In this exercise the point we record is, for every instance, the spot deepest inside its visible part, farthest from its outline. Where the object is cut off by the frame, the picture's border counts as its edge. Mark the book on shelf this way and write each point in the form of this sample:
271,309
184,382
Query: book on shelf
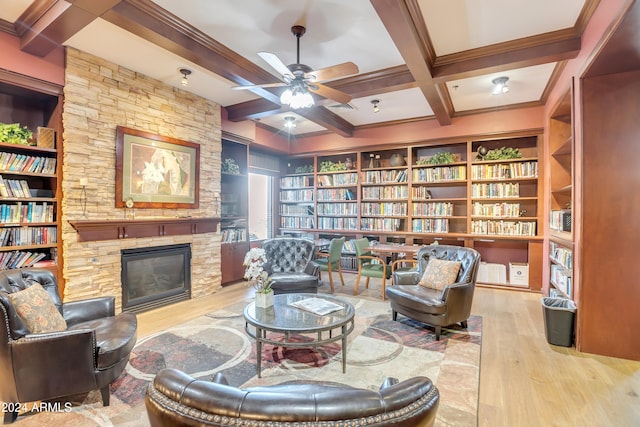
317,306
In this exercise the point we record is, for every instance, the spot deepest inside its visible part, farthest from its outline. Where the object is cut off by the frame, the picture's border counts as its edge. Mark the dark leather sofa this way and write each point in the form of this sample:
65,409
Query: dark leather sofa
176,399
91,353
437,308
290,265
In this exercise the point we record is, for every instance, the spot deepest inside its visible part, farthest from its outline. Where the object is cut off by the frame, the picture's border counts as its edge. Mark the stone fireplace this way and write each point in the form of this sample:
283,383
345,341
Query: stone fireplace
155,276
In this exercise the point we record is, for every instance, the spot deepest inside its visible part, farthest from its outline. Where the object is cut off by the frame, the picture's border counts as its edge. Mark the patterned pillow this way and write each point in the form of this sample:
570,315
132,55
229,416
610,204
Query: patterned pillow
37,311
440,273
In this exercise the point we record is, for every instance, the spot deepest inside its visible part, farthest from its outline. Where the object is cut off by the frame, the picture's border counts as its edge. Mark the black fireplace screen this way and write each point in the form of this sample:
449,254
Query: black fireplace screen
155,276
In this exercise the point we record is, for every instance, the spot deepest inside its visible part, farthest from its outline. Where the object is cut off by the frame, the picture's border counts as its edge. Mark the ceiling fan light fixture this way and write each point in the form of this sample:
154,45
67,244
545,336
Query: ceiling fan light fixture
500,85
297,98
185,72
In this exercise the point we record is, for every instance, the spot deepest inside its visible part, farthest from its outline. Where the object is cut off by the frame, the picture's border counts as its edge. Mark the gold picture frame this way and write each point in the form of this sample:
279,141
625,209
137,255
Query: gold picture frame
155,171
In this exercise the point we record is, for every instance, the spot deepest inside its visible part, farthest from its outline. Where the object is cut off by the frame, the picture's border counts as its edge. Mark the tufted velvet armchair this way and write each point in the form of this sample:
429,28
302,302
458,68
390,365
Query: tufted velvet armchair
290,265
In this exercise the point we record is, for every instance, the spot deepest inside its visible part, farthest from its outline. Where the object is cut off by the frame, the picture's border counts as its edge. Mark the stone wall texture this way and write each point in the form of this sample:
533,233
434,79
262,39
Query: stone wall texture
99,96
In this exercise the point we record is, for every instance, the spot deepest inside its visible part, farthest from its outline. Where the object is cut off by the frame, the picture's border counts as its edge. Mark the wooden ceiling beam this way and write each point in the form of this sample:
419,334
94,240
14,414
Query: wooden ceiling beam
47,24
145,19
397,19
506,56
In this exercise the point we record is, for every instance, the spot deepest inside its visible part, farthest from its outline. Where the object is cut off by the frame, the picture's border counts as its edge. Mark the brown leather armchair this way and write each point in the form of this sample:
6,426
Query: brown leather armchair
88,355
176,399
438,308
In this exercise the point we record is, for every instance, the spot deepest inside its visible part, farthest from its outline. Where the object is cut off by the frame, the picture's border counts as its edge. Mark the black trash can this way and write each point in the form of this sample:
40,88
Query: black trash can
559,316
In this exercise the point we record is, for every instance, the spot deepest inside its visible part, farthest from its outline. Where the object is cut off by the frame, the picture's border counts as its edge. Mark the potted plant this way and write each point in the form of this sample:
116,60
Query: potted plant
254,261
14,134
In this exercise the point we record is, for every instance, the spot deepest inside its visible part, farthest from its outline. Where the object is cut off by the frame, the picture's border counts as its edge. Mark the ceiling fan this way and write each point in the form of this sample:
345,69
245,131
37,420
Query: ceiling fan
300,79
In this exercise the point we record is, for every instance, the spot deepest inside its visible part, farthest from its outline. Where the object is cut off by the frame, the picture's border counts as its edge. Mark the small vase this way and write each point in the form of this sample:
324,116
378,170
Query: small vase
264,300
396,159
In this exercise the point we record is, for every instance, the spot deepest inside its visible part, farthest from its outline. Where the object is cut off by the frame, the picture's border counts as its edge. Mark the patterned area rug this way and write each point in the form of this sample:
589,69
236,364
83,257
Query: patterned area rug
377,348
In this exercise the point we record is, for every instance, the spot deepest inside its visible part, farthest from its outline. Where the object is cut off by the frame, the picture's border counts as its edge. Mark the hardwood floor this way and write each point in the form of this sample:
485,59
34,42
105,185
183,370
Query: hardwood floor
524,381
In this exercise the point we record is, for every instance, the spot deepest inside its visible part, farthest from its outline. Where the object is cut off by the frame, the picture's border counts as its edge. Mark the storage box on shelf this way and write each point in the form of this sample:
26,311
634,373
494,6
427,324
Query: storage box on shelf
234,202
29,184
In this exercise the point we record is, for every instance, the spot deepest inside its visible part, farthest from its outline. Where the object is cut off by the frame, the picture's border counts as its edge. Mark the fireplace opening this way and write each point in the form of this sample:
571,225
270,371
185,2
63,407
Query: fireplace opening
155,276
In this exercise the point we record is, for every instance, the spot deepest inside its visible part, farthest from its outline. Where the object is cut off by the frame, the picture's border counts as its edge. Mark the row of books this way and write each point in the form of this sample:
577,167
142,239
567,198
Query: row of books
393,192
496,210
230,235
495,190
19,259
336,194
338,179
505,171
296,222
387,209
296,210
14,188
296,196
381,224
24,236
384,176
560,254
505,228
436,225
347,209
31,212
433,209
440,174
335,223
25,163
296,182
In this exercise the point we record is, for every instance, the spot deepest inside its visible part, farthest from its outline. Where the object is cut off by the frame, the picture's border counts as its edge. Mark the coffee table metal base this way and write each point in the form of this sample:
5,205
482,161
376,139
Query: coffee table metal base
279,324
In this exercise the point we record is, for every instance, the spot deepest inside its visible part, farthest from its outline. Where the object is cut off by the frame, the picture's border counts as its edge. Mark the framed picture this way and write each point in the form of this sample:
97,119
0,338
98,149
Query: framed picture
154,171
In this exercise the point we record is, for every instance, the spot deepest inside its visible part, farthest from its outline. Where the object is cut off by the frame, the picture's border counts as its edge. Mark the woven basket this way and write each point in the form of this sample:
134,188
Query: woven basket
46,137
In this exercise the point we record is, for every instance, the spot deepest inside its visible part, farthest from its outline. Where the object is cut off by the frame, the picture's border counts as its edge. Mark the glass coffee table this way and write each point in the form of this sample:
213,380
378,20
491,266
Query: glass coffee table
279,324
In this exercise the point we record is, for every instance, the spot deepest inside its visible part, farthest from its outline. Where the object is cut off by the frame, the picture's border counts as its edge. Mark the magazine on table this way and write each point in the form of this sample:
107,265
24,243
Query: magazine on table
317,305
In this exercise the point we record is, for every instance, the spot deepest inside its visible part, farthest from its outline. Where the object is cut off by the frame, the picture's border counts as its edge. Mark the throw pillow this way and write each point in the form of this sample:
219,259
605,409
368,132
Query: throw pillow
440,273
37,310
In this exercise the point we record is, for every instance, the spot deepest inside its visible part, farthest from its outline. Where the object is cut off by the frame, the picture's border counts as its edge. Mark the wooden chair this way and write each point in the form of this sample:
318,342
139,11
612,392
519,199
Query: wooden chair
330,261
370,265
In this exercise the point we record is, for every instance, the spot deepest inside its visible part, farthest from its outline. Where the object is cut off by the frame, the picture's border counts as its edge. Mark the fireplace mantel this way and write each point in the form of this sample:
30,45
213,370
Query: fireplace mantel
114,229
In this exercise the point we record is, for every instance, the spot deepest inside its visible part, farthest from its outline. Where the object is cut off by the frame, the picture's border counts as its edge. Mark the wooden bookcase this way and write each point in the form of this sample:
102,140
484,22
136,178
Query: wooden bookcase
234,202
29,188
396,195
560,161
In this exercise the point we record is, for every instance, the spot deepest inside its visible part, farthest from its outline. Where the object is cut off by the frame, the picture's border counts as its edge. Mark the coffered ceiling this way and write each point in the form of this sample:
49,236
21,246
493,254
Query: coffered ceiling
422,59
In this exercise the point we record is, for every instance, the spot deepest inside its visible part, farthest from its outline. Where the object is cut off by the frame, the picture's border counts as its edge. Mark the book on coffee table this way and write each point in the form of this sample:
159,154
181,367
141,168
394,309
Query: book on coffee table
317,305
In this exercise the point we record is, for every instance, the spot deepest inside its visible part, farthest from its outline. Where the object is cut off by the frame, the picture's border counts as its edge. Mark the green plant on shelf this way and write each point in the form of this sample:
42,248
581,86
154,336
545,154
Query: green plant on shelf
441,158
304,169
503,153
15,134
329,166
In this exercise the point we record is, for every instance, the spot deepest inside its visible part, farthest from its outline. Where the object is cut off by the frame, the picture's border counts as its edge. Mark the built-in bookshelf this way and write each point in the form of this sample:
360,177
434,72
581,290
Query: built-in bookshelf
234,210
419,194
560,163
29,185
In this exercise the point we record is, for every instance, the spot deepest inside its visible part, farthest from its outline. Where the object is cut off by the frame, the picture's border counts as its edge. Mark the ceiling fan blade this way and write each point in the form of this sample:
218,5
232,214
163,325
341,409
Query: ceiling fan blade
328,92
329,73
277,84
276,63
